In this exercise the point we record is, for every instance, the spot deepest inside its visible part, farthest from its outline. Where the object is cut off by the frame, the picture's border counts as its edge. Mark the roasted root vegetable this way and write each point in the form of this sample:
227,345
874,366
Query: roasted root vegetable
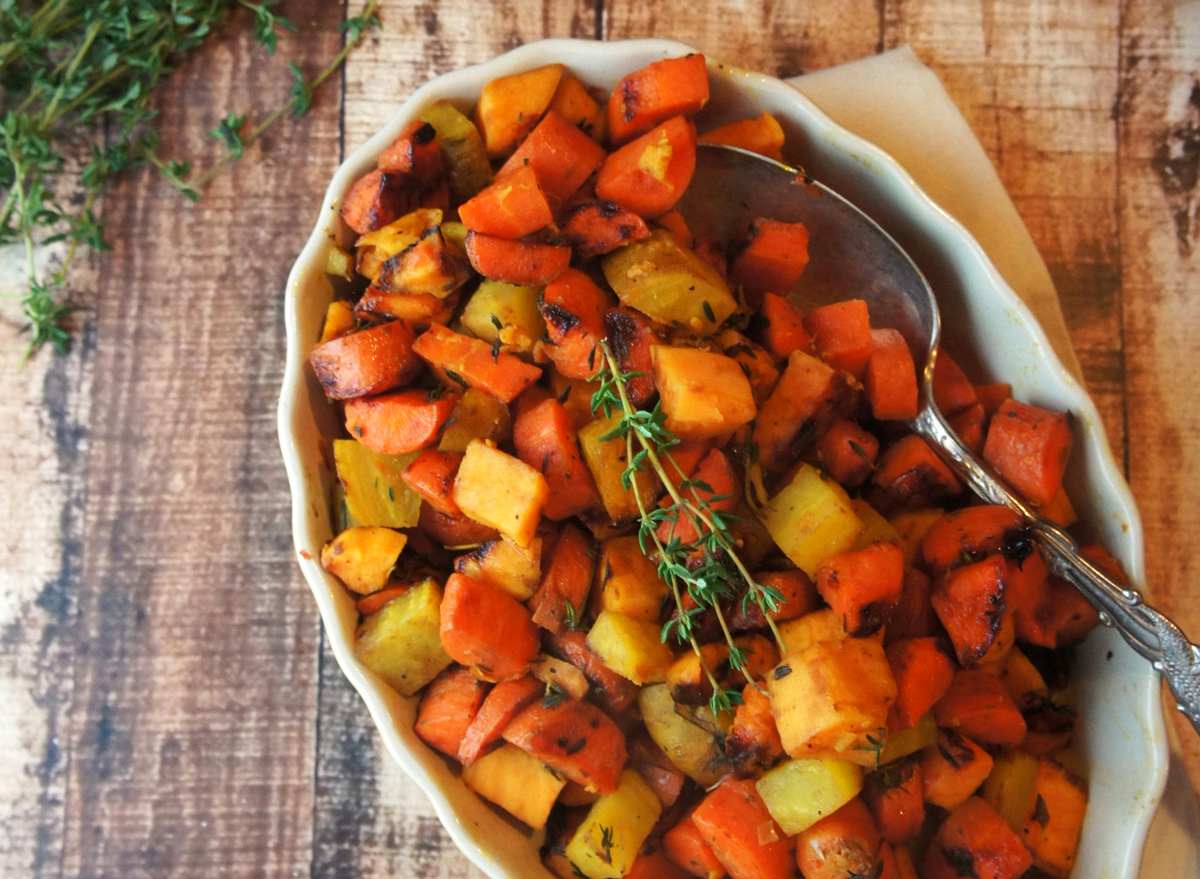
596,456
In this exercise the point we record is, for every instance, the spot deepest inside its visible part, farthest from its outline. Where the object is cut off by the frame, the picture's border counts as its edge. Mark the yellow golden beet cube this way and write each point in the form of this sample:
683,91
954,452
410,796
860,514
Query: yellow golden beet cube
627,582
632,648
510,106
502,563
550,671
607,842
363,557
902,742
875,527
694,751
376,248
513,307
516,782
605,458
703,394
477,415
799,793
375,491
811,518
500,491
832,699
401,642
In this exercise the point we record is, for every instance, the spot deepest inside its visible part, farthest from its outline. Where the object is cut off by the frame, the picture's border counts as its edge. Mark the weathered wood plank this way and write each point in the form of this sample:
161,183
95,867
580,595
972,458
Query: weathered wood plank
784,39
1040,101
1159,125
194,708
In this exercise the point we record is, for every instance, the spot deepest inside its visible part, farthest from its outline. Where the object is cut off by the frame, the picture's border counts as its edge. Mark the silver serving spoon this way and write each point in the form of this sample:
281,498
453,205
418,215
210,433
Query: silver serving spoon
850,256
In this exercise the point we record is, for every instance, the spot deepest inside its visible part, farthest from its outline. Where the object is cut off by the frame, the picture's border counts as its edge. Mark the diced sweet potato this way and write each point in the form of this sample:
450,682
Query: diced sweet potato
841,333
805,388
771,259
501,563
862,586
510,106
977,705
627,581
500,491
752,743
762,135
362,557
923,673
952,769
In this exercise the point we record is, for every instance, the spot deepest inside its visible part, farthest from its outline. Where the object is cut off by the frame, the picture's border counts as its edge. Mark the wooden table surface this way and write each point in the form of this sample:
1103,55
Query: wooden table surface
168,705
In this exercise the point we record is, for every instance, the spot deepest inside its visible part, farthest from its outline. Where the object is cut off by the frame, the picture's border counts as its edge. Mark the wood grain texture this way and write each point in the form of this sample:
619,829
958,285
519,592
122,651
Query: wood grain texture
1158,115
189,744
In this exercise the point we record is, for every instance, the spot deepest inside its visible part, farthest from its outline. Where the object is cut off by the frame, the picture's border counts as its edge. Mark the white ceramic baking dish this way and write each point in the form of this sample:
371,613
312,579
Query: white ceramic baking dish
1121,745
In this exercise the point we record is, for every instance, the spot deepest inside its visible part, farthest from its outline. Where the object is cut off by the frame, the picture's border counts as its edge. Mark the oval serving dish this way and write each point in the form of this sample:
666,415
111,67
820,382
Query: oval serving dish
1121,744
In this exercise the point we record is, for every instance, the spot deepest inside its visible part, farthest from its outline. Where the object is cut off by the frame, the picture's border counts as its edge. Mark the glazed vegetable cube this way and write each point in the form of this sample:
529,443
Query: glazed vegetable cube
363,557
487,630
632,648
508,312
376,248
799,793
812,628
500,491
670,284
376,493
693,750
462,150
811,518
476,416
575,738
902,742
744,837
433,265
703,394
505,565
401,643
606,459
832,699
516,782
510,106
607,842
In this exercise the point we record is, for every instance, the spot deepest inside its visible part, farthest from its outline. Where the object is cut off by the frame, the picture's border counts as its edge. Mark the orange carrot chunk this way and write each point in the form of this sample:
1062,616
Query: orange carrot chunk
646,97
841,332
763,135
923,673
1057,616
398,423
844,843
414,152
573,308
970,603
717,474
799,597
735,823
968,535
913,616
487,629
449,705
1029,447
952,769
969,425
896,799
992,396
631,338
911,472
451,530
616,693
891,378
978,705
559,154
505,701
513,206
685,845
848,452
782,329
431,475
975,841
367,362
574,738
655,865
377,199
752,744
862,586
545,439
952,390
419,309
772,258
597,226
460,361
806,388
529,263
674,223
649,175
368,604
565,582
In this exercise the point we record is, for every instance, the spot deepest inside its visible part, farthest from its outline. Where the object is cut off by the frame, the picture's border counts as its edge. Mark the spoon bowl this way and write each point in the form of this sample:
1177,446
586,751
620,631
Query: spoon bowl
851,257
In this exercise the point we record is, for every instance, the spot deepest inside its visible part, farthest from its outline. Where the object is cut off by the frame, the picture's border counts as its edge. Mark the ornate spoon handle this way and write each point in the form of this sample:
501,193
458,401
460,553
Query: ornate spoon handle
1148,632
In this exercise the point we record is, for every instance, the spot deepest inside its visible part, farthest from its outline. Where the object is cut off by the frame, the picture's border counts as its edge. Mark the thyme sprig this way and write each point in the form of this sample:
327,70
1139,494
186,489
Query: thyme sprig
709,568
76,81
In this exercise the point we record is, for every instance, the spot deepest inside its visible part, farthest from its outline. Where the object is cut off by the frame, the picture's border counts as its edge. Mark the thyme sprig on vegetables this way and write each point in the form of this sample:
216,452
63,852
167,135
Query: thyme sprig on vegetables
76,80
709,569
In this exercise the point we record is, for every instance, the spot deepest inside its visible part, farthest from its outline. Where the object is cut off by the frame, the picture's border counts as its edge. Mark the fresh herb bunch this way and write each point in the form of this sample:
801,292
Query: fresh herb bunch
70,69
709,569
